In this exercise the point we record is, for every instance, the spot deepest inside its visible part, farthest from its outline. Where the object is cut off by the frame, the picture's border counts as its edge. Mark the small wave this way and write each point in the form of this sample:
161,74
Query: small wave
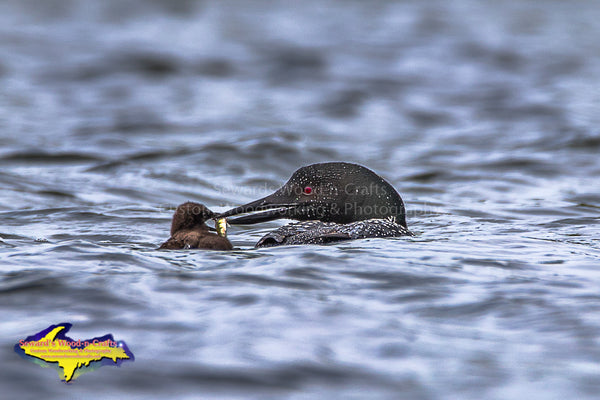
40,157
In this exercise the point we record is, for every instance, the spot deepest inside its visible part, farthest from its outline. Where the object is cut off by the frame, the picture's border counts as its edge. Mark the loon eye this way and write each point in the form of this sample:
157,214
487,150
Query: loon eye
307,190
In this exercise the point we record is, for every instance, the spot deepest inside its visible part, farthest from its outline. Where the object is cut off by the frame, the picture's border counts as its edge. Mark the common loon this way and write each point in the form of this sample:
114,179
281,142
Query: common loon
188,230
335,200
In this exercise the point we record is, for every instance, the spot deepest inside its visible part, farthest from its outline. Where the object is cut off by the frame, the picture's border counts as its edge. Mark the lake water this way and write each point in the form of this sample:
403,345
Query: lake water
483,115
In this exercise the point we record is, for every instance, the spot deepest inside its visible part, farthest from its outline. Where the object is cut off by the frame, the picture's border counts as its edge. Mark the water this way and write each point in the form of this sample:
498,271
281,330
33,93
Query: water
484,116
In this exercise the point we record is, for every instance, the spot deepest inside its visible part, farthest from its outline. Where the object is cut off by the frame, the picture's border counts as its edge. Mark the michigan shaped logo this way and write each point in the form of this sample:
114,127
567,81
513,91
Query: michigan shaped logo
52,347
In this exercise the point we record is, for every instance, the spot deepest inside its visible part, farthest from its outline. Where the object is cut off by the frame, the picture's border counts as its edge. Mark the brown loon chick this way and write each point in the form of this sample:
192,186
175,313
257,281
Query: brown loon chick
188,230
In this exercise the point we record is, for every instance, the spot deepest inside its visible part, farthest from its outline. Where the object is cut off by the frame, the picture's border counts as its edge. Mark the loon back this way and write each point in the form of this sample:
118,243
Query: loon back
317,232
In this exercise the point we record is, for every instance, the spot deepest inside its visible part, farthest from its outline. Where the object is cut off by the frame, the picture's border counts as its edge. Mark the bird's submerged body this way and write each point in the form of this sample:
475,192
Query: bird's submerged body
196,239
317,232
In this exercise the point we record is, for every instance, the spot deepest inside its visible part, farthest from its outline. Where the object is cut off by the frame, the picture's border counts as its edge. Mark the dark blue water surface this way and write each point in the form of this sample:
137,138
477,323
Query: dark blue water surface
484,115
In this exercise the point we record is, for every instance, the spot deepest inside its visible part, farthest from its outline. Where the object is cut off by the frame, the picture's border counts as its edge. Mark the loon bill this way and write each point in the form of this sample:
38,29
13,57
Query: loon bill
335,200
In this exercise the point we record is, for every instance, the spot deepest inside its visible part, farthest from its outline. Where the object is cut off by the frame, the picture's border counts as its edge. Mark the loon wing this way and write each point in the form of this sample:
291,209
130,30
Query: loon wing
273,239
308,232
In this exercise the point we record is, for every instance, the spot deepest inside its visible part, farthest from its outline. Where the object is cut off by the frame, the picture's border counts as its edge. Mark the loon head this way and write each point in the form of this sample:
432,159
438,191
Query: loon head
330,192
190,216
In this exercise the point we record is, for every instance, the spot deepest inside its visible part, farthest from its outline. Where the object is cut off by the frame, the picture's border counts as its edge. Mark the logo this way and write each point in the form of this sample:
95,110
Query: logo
71,358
